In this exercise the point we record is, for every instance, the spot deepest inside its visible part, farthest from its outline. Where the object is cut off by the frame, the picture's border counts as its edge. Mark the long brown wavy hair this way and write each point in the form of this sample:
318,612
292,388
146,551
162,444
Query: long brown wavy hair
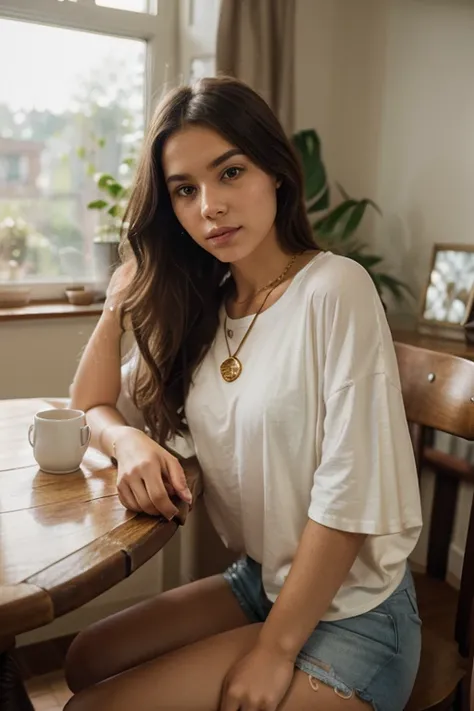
177,288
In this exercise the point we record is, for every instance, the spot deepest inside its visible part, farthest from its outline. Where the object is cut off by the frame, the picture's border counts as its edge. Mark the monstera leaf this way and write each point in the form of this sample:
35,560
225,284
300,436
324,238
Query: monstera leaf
337,228
308,146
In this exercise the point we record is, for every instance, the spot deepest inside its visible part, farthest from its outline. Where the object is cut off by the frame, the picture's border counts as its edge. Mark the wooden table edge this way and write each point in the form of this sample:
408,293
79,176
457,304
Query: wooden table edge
26,601
156,535
67,584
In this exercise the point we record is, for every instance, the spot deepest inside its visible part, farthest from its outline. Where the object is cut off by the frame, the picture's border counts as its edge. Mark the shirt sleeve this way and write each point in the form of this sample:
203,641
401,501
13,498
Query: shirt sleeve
366,481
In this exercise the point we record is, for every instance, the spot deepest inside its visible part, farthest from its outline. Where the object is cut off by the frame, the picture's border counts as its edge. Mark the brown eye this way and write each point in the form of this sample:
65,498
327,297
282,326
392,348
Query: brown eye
185,191
232,173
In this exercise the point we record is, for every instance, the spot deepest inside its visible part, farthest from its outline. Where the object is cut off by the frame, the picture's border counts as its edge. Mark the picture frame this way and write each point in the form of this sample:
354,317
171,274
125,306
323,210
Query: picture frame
447,302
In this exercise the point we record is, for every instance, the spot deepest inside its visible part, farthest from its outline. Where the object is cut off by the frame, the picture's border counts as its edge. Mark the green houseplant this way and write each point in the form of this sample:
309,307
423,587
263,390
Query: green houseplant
111,202
337,228
113,205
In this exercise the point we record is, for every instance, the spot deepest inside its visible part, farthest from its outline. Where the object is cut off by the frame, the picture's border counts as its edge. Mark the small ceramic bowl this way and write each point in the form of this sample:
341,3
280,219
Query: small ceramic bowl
80,296
14,296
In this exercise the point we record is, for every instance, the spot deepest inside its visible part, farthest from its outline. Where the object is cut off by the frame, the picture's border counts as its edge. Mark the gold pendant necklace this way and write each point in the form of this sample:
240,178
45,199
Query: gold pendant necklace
231,367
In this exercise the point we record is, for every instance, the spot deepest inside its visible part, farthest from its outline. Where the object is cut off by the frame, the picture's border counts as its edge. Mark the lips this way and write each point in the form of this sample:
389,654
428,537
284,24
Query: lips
221,232
222,236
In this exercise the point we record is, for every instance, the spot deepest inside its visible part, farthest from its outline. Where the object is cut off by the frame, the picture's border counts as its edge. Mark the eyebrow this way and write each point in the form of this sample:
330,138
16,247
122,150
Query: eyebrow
213,164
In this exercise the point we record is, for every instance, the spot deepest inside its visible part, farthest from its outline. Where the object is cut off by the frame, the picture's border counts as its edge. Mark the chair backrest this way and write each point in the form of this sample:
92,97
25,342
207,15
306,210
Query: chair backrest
438,390
438,393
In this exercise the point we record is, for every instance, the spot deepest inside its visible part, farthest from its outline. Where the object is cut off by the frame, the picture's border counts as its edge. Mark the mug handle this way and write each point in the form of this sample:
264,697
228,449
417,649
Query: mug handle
31,435
85,435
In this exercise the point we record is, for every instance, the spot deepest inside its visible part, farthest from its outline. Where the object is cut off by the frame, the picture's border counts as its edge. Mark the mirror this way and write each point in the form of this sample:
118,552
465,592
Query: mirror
449,295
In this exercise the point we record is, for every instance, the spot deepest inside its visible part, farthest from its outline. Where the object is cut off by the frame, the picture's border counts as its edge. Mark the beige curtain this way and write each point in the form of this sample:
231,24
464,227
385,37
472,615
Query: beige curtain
256,43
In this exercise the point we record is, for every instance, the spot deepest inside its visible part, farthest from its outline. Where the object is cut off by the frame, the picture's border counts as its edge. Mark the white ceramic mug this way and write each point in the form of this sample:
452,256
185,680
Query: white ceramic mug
59,439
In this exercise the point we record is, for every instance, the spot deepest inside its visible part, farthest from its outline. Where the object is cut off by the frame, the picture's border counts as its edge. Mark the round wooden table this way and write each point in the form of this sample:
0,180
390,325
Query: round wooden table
64,539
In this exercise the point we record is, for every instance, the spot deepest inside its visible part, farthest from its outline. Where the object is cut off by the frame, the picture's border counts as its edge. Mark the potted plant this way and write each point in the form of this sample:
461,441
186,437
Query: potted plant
107,237
337,228
111,203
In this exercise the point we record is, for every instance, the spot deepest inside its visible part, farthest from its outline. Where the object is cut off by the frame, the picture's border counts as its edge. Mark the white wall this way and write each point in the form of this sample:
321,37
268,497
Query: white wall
38,357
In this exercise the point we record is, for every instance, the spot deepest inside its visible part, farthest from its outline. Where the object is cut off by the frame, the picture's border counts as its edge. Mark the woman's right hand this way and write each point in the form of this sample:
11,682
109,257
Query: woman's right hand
148,475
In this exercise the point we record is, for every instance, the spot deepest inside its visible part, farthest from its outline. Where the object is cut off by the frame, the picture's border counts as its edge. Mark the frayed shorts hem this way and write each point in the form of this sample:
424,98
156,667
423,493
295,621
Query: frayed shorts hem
373,656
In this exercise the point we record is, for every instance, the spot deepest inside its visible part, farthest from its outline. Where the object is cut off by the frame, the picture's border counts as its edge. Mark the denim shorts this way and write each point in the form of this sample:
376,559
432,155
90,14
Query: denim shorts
374,655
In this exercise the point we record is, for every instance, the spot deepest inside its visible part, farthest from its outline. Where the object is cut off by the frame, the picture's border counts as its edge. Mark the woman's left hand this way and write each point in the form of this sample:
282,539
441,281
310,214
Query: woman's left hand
258,682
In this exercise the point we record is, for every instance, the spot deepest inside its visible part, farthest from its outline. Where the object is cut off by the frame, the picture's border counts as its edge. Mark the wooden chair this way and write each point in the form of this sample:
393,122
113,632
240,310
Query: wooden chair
438,392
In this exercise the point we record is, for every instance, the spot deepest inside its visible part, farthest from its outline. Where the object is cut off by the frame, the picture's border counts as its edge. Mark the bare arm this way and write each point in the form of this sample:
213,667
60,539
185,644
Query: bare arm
261,679
97,382
323,560
148,474
96,385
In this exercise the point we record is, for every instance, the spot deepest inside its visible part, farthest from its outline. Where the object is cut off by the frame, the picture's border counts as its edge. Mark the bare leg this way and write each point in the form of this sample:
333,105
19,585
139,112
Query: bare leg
190,679
171,620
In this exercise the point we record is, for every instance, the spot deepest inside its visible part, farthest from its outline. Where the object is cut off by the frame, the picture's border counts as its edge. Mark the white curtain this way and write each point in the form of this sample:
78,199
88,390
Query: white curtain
256,43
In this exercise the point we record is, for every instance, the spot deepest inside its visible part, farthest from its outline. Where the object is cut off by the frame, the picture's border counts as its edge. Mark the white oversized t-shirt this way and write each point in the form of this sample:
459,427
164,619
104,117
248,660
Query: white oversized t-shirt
313,427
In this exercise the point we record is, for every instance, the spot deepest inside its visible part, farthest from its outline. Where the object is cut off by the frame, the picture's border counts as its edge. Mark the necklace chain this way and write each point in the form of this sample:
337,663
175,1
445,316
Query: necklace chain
271,284
232,367
249,328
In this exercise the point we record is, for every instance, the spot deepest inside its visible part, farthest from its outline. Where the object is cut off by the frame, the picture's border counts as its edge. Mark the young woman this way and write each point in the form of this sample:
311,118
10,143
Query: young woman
277,360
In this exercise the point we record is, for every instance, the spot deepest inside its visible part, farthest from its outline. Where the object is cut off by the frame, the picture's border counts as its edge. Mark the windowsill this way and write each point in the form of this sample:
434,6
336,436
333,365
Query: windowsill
49,309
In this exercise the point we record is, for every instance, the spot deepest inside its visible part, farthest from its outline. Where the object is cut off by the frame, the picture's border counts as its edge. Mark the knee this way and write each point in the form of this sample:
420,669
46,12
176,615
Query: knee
82,662
84,701
74,704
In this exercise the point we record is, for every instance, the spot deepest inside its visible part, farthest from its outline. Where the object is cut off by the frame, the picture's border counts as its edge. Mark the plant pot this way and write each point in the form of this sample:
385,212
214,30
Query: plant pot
106,260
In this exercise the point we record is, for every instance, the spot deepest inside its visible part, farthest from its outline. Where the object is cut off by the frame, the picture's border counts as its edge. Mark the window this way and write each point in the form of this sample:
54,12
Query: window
133,5
202,67
148,6
198,32
77,109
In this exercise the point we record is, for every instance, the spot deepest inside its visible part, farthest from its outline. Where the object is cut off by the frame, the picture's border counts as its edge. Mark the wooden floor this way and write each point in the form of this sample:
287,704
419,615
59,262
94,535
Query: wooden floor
48,692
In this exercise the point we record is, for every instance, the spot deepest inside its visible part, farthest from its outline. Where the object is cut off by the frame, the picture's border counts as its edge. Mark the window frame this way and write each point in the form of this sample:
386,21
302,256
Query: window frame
159,31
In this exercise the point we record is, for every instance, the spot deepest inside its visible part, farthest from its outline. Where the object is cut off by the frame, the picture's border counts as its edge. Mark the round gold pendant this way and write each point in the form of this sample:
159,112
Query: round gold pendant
231,368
